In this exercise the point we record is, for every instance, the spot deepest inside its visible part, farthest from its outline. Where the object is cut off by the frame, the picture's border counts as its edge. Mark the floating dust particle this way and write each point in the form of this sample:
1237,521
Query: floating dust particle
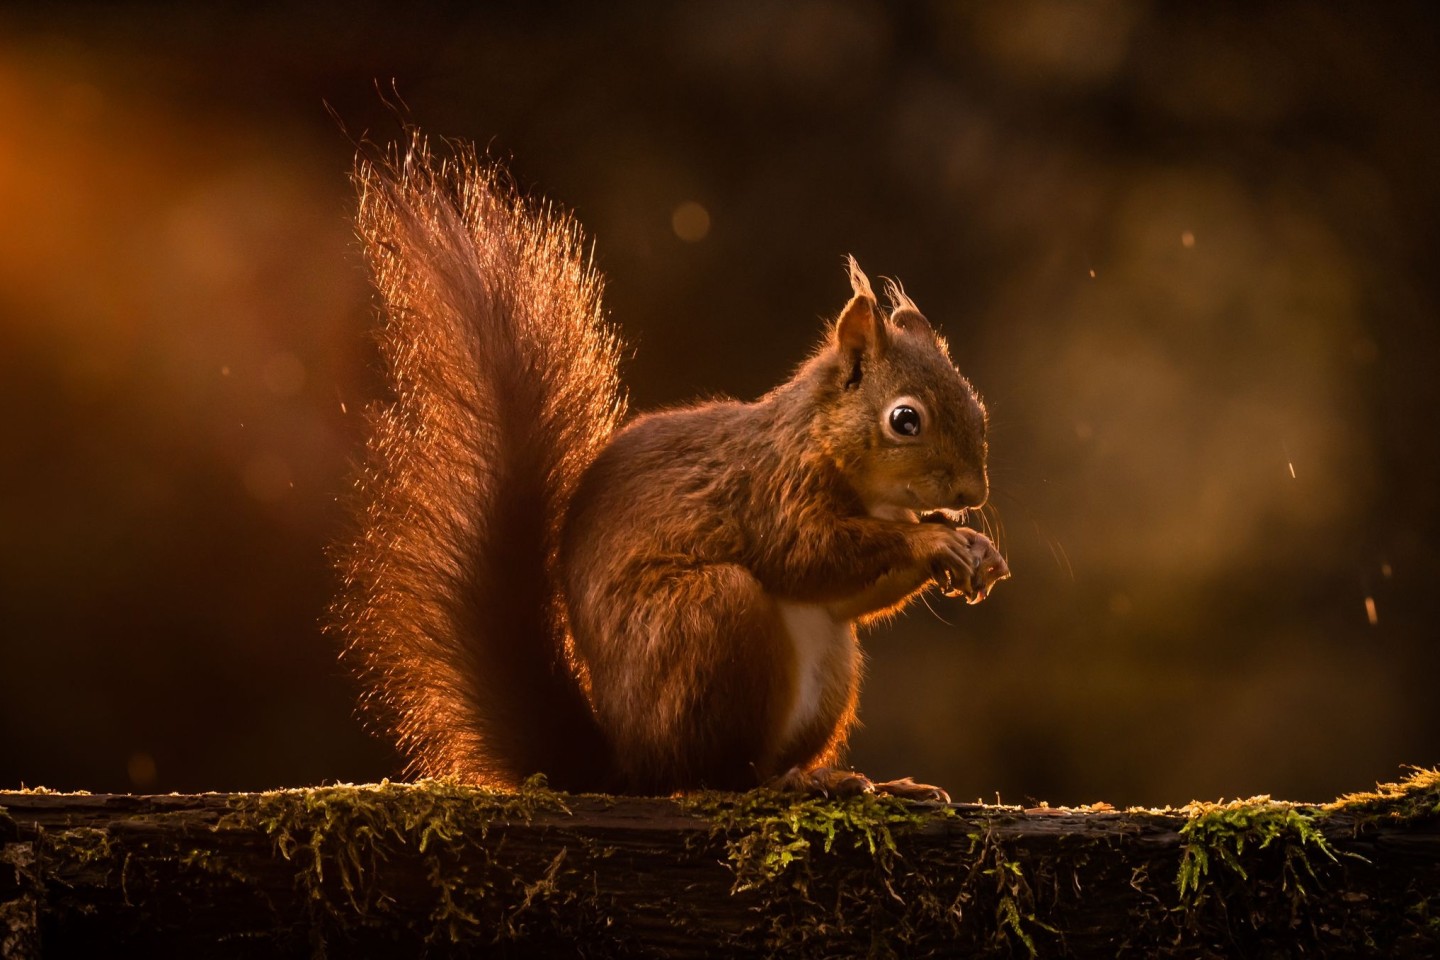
1092,274
342,407
1370,611
1386,570
1291,465
1187,239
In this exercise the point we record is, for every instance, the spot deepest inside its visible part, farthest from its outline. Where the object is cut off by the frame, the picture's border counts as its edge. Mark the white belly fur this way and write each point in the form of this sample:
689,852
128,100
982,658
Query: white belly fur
818,639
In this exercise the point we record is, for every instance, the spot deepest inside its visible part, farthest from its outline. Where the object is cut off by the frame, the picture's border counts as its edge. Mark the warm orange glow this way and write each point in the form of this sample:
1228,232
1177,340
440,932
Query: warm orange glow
185,316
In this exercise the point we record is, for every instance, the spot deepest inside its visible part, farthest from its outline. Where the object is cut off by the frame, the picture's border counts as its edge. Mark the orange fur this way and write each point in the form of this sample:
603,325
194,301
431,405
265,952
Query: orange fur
665,606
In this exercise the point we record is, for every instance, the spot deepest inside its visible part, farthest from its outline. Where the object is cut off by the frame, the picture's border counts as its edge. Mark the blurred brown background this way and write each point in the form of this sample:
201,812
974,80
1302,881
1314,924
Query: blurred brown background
1186,252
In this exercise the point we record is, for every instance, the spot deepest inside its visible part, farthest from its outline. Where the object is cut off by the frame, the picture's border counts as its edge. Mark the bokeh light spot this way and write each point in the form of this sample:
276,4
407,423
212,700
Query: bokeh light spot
691,222
141,770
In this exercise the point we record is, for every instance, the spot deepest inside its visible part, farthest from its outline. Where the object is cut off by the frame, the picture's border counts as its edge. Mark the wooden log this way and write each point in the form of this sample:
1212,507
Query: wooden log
400,869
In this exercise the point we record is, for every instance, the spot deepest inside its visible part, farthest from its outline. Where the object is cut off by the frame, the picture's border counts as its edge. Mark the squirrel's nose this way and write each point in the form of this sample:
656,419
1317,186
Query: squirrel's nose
972,493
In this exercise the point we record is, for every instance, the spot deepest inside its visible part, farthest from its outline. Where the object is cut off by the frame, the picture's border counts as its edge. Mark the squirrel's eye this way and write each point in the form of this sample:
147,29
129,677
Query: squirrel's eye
905,420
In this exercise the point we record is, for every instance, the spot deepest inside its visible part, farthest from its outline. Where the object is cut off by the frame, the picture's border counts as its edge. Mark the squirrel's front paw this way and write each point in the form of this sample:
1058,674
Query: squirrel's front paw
972,567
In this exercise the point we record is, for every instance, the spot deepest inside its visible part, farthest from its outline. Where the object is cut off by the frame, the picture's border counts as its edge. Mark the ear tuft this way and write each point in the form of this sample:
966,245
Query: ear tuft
859,283
903,312
899,300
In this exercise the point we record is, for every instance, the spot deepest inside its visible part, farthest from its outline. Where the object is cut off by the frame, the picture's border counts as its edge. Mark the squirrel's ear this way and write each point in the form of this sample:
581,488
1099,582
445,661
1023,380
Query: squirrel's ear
903,312
860,329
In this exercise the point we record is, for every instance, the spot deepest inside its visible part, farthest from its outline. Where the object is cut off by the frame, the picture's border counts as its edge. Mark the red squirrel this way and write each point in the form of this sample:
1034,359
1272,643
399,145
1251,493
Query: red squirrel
668,603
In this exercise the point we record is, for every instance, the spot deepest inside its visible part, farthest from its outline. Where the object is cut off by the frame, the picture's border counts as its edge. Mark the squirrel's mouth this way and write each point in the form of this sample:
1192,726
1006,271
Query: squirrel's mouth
951,518
918,510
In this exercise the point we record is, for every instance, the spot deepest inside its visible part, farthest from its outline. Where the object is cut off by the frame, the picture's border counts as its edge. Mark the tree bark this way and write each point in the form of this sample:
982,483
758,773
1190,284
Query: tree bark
399,869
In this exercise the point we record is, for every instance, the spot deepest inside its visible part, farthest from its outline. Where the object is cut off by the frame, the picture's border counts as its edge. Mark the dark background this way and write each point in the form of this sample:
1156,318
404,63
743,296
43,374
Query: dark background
1185,251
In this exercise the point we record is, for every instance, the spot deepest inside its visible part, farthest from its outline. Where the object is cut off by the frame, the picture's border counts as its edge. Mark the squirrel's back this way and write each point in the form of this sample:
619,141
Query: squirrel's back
504,387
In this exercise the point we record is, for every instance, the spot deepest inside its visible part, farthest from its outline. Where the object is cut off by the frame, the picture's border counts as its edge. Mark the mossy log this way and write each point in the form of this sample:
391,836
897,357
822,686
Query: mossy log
439,869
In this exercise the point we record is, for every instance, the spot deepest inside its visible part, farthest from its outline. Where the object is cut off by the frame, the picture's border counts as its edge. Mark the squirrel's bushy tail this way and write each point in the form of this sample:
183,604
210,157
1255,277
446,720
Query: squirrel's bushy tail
505,386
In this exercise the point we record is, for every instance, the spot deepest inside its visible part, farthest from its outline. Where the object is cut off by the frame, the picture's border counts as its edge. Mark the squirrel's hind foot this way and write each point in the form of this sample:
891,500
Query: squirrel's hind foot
907,789
823,781
834,782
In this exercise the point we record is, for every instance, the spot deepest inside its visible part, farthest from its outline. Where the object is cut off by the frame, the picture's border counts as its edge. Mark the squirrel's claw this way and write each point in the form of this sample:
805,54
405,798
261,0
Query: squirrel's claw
984,568
907,789
833,782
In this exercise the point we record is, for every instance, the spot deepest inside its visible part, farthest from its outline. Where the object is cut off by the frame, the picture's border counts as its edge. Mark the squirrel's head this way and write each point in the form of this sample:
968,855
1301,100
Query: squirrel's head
905,428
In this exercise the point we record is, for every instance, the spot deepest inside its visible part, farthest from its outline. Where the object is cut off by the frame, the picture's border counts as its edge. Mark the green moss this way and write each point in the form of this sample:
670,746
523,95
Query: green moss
768,832
817,876
871,892
1217,834
772,842
1417,797
998,874
341,836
